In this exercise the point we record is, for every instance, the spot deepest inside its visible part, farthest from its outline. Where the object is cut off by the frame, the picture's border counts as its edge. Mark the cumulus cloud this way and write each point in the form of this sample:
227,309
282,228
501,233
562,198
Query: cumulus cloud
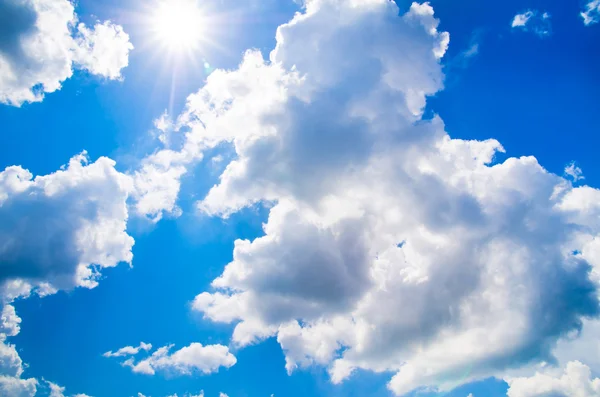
11,365
188,360
41,42
575,382
534,21
9,322
389,245
16,387
59,230
591,13
129,350
103,50
59,391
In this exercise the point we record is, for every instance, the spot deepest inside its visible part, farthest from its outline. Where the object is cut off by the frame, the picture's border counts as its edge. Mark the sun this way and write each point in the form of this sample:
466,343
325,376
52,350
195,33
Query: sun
179,24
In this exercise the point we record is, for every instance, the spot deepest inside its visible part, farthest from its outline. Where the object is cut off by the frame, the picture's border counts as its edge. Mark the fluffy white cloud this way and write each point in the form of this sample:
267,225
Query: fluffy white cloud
535,21
188,360
9,322
41,42
59,391
16,387
11,365
591,14
575,382
103,50
129,350
59,230
389,246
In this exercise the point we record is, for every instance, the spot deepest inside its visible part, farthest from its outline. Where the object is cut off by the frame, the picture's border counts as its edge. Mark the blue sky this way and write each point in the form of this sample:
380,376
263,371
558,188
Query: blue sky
381,199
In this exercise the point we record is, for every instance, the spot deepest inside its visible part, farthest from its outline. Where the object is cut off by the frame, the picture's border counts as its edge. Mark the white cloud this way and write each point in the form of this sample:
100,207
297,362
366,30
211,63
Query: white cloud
573,172
58,231
575,382
535,21
188,360
129,350
103,50
61,229
9,322
11,365
201,394
591,14
521,19
16,387
59,391
389,246
43,42
56,390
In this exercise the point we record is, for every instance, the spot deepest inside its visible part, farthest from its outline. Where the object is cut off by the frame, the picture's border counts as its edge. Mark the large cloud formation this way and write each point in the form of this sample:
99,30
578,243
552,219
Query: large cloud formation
41,42
57,231
389,246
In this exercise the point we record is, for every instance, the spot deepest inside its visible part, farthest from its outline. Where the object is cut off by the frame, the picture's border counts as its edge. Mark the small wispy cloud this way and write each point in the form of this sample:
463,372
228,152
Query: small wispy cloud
534,21
591,14
129,350
573,172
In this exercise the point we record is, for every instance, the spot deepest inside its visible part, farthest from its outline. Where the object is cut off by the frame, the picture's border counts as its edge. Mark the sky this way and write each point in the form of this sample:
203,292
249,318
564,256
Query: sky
299,198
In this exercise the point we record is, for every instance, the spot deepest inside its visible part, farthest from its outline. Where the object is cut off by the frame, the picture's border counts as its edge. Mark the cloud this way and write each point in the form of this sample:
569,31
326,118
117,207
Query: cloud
16,387
591,14
533,20
573,172
103,50
9,322
188,360
58,391
41,44
60,230
576,381
201,394
389,245
129,350
11,365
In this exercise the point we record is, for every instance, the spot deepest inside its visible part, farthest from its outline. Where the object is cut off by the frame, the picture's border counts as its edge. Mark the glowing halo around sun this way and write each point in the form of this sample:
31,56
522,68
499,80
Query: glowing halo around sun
179,25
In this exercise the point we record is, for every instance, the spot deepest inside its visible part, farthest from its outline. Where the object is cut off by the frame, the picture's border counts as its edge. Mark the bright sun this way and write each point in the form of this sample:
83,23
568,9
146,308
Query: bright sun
179,24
